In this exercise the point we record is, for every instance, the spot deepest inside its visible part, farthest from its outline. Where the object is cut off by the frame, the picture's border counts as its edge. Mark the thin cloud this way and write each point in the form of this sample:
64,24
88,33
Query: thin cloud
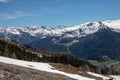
12,15
4,1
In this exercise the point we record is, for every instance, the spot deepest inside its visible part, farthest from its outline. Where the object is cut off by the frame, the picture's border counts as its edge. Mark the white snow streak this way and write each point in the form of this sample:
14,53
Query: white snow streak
98,75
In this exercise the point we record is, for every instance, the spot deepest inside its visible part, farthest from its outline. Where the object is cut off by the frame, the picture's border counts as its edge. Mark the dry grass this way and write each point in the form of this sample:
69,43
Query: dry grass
74,70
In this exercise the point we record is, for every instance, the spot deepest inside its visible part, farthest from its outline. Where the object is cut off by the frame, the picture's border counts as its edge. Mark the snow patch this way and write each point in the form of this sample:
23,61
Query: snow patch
98,75
116,77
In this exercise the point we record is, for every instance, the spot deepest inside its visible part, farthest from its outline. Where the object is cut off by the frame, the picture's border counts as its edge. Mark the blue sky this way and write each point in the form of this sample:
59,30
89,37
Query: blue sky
56,12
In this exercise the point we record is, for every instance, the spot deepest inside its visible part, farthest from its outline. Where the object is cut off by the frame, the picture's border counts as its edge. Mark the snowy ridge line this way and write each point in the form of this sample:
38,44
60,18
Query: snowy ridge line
115,24
79,30
40,66
35,30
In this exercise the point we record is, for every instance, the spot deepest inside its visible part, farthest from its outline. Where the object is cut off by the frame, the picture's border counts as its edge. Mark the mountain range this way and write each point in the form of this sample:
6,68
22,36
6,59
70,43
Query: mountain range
92,41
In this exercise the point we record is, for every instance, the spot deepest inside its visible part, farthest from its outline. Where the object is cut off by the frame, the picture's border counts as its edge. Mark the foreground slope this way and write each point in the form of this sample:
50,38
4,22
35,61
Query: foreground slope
41,66
13,67
47,68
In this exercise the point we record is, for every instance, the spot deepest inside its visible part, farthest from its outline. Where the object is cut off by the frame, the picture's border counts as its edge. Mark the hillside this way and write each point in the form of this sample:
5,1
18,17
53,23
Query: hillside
19,70
19,51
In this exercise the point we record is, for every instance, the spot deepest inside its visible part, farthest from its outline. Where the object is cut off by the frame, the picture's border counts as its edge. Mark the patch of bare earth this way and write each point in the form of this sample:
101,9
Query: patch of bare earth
73,70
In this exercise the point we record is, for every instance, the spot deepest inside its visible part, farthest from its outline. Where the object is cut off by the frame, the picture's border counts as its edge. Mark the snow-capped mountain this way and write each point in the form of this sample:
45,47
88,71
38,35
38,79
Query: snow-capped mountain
29,34
86,37
115,24
77,31
32,33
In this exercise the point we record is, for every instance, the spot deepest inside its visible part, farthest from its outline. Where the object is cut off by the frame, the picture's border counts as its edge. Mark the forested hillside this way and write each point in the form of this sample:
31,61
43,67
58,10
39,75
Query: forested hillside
18,51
